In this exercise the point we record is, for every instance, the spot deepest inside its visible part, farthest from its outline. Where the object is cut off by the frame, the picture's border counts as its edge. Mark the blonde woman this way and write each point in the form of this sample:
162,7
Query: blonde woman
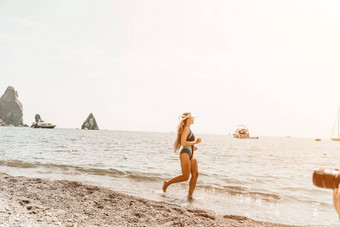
186,140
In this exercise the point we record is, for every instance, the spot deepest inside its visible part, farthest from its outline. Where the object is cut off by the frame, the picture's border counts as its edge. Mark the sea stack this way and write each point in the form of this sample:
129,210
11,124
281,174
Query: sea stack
11,111
37,118
90,123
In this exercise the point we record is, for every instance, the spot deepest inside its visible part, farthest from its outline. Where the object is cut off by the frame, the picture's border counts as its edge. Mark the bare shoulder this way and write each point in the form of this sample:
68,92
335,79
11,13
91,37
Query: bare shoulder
185,132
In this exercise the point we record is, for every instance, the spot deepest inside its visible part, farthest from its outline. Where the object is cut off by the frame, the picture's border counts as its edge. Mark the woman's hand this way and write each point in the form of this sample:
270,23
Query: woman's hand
195,148
336,199
198,140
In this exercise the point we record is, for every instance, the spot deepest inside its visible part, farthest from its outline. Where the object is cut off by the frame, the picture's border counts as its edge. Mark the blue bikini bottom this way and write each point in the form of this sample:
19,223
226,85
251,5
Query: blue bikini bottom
186,150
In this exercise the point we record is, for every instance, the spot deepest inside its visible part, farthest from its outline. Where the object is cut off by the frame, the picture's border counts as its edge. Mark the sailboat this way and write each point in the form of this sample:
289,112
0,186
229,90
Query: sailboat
338,138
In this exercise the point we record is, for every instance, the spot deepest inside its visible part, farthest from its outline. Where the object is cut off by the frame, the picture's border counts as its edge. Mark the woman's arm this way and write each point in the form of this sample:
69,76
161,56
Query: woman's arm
184,136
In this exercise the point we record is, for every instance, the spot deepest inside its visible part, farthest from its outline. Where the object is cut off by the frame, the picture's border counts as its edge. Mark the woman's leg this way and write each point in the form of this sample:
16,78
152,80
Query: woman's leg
185,165
194,176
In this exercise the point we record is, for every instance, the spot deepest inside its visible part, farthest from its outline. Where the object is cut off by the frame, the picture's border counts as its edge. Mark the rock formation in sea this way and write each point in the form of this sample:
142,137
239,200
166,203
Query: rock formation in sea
37,118
90,123
11,111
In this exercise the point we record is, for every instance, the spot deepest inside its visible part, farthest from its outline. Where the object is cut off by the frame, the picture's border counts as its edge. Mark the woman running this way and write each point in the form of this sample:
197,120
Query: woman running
186,139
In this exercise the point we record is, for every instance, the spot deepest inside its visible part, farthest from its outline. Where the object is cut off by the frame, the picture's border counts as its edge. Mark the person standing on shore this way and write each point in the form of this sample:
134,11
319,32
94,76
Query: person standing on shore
186,139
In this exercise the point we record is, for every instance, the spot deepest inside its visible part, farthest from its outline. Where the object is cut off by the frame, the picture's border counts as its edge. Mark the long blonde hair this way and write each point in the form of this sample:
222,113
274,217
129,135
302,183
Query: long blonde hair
181,125
180,128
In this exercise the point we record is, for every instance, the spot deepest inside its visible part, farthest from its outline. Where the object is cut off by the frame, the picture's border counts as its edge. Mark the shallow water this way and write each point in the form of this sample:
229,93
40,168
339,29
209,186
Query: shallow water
268,179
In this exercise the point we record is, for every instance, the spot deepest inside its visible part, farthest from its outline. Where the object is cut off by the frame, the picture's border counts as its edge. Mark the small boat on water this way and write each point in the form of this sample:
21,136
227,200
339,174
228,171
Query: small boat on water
317,139
39,123
243,133
42,125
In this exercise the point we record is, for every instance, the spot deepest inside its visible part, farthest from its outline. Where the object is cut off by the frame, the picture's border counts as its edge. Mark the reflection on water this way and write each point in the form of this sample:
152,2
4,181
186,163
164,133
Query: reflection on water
267,179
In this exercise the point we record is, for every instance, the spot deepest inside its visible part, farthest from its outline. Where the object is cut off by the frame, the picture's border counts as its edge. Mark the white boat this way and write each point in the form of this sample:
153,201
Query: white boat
243,133
39,123
335,124
42,125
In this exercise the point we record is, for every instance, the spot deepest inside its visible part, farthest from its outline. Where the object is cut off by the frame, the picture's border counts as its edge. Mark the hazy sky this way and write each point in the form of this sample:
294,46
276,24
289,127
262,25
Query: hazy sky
137,65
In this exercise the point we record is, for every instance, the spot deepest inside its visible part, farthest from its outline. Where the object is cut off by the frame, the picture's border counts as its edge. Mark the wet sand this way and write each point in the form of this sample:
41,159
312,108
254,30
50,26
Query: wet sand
42,202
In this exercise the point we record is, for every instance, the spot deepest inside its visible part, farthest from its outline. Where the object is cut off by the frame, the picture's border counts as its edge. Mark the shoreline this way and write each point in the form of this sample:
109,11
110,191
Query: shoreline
42,202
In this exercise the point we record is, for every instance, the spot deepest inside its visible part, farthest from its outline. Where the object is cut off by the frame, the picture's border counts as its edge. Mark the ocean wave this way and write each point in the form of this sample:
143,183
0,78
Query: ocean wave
138,176
17,164
236,190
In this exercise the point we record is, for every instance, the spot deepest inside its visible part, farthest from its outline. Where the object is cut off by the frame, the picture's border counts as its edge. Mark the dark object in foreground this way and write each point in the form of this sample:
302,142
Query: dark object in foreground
326,178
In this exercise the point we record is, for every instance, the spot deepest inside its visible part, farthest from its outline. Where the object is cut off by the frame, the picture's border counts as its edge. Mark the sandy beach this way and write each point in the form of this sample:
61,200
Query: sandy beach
42,202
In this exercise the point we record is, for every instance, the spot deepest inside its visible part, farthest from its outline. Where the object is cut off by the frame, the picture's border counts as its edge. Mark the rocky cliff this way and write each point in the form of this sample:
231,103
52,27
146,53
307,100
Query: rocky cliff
90,123
11,108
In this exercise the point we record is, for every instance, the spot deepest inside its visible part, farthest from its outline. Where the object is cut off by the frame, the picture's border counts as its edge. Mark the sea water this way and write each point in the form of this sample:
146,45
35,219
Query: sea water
268,179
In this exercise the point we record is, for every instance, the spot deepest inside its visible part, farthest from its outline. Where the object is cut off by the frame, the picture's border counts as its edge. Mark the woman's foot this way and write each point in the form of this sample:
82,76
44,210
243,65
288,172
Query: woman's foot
190,198
165,186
